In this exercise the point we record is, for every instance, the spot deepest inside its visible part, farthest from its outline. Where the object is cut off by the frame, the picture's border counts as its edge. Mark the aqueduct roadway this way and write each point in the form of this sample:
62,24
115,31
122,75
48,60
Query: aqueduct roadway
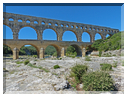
40,24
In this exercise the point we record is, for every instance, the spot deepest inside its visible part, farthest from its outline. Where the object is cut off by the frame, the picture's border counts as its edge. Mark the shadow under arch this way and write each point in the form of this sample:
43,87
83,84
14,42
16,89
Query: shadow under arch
9,47
77,49
49,28
37,49
88,34
57,49
71,31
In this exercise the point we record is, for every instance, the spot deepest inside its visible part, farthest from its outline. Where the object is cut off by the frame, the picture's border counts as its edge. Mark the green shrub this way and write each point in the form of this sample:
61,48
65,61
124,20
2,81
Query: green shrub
73,56
35,56
107,55
38,67
35,60
56,66
18,62
123,63
115,63
78,71
100,52
105,66
97,81
87,58
26,62
113,55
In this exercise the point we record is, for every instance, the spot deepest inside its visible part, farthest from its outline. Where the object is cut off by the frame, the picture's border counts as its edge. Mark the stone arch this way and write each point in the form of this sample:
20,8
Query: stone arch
71,31
108,34
7,25
88,34
77,48
99,34
28,26
57,49
31,45
51,29
4,30
10,18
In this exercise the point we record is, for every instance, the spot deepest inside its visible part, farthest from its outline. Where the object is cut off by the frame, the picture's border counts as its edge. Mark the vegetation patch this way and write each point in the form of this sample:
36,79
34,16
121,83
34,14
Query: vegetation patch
33,66
115,64
26,62
97,81
105,67
18,65
71,52
35,60
87,58
123,63
114,42
78,71
19,62
56,66
35,56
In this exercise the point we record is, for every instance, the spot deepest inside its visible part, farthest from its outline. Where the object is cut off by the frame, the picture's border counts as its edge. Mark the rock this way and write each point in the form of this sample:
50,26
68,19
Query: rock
34,63
62,86
80,86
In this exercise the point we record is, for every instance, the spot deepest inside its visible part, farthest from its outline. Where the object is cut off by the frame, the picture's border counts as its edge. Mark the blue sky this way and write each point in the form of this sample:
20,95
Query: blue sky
108,16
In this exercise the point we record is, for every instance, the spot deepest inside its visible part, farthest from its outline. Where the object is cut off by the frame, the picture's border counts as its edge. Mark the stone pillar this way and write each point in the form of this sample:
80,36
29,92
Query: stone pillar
15,36
15,33
39,34
62,52
41,53
79,37
15,53
59,38
83,52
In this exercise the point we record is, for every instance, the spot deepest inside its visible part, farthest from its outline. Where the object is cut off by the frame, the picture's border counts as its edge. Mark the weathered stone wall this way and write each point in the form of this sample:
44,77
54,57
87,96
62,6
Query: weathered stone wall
40,24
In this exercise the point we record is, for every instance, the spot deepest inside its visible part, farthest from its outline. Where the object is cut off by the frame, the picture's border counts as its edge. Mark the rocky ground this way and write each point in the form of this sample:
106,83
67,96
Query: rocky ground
21,78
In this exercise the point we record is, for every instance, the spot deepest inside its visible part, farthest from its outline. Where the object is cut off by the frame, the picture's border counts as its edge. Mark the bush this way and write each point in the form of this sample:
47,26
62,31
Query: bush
106,66
100,52
56,66
26,62
87,58
97,81
78,71
18,62
115,63
35,56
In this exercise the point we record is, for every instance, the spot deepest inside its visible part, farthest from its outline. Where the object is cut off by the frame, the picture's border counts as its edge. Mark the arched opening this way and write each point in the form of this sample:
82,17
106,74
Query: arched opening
73,50
7,32
52,51
69,36
7,51
28,51
27,33
108,36
98,36
49,34
86,37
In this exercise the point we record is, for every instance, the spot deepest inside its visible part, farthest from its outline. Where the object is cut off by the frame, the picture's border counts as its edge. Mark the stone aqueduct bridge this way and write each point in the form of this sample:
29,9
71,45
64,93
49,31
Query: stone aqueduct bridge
40,24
